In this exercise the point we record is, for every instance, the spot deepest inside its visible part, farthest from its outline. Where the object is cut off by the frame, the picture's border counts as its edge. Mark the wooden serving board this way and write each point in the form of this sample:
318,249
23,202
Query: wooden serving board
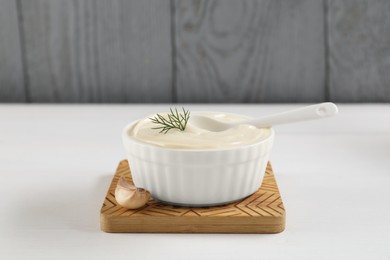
262,212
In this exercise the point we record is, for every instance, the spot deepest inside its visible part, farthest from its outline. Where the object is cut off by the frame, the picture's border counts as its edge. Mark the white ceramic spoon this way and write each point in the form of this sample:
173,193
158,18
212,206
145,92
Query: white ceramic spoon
301,114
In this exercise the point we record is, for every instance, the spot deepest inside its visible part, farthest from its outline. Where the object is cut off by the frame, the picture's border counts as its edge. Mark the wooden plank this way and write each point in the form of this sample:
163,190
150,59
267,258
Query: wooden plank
12,87
255,214
98,50
250,51
359,48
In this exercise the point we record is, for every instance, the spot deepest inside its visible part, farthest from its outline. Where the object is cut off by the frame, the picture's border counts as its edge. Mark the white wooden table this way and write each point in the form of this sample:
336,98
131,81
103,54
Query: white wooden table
56,162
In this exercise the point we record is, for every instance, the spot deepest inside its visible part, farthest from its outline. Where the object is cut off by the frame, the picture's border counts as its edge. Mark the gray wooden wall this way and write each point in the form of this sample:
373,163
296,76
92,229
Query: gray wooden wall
194,51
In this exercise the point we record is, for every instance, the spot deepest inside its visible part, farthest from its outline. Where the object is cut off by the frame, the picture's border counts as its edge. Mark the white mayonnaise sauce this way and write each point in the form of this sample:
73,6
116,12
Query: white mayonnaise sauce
196,138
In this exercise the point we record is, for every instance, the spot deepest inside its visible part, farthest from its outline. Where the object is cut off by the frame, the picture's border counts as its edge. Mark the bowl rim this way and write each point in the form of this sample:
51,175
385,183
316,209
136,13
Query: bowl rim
127,138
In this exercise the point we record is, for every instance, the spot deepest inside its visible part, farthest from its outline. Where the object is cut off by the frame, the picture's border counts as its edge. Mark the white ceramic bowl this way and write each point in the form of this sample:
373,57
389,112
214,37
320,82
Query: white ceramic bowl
197,178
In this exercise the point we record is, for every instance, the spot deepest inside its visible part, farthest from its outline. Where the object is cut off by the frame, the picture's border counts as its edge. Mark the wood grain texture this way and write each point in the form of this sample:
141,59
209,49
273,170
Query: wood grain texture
359,50
11,66
262,212
98,50
250,51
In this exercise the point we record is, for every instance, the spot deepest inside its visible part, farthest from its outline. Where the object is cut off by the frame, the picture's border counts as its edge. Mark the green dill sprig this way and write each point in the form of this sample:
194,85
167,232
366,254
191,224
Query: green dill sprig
174,120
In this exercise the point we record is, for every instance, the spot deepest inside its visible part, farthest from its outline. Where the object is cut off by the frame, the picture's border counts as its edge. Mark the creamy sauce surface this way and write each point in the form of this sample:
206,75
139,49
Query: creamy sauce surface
194,137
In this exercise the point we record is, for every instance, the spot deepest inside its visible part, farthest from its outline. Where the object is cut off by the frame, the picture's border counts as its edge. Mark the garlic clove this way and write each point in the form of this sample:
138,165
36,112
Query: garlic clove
129,196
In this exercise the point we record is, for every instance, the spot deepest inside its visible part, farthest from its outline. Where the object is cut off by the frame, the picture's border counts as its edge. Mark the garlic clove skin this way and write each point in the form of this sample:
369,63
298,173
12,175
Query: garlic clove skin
129,196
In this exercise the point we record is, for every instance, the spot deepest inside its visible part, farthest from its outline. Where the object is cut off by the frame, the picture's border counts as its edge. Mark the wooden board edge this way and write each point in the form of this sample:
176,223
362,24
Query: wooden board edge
179,224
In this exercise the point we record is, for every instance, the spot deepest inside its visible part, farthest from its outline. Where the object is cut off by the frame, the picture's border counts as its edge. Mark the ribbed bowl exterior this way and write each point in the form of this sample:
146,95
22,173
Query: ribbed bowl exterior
198,177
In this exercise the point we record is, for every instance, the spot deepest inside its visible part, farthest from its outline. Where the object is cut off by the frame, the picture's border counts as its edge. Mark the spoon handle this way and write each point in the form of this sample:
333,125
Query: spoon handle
301,114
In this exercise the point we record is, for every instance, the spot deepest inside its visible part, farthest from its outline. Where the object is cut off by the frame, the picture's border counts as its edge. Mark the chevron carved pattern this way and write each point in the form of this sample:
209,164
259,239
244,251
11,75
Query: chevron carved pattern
262,212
